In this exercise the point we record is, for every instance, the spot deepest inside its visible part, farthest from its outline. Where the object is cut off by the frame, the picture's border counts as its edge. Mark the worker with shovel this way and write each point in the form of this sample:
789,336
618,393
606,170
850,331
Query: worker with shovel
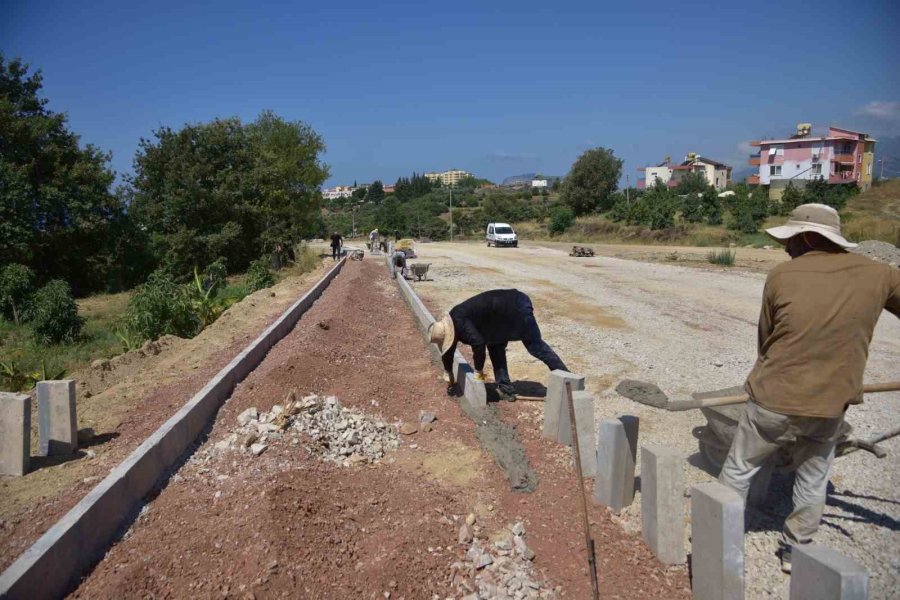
489,321
819,311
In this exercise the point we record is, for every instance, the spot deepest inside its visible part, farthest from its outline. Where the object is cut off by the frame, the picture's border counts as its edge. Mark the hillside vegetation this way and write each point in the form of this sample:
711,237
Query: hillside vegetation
875,214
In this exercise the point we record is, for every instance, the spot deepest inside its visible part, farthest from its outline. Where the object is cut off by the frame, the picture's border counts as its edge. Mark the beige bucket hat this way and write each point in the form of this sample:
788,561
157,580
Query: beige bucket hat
816,218
442,333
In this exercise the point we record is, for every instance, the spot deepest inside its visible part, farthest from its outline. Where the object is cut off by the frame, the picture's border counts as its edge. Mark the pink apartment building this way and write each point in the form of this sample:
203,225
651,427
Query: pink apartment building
840,157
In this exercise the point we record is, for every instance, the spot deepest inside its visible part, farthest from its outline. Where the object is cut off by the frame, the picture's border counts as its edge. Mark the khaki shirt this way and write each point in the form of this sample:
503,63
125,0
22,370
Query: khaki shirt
818,314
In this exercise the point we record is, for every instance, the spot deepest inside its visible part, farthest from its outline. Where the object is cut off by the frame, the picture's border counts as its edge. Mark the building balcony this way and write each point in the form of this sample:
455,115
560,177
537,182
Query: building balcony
641,184
843,158
752,179
754,160
843,177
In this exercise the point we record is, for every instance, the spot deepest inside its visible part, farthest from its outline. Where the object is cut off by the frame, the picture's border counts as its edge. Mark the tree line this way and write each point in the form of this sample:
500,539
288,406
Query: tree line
224,191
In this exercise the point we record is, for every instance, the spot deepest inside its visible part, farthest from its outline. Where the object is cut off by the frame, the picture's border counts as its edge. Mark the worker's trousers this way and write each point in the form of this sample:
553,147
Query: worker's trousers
760,433
534,343
335,252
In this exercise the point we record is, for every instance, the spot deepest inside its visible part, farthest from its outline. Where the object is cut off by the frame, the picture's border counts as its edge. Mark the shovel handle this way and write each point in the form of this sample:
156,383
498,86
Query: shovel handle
679,405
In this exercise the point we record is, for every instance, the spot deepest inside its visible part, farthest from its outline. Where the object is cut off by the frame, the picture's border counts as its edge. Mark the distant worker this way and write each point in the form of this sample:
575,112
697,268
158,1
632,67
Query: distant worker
373,239
398,263
490,321
396,235
337,242
818,314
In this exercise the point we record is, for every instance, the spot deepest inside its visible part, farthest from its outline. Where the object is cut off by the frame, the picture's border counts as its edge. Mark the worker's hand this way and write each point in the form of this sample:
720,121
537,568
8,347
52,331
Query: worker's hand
479,376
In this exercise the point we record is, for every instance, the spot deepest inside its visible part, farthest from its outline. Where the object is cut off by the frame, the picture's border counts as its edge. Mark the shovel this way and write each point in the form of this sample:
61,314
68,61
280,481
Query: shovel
702,400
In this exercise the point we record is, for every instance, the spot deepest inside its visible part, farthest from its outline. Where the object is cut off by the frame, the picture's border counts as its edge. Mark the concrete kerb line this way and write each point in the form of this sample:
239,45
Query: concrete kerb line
55,562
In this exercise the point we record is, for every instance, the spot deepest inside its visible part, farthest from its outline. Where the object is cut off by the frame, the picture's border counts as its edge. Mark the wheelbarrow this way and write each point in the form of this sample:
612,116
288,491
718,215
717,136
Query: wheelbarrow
714,438
420,270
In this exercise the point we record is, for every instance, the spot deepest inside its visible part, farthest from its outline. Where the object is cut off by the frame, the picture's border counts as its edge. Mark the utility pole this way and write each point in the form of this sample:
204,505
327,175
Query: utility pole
881,176
627,188
451,212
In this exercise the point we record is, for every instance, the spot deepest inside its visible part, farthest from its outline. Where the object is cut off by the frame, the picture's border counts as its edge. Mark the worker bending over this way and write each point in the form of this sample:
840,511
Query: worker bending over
819,311
490,321
398,263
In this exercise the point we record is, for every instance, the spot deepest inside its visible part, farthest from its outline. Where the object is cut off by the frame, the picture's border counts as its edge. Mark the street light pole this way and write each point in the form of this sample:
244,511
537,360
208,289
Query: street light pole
451,212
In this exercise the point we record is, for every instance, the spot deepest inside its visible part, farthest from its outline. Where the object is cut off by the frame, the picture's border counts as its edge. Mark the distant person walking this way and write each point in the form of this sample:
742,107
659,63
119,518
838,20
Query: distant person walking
337,242
373,240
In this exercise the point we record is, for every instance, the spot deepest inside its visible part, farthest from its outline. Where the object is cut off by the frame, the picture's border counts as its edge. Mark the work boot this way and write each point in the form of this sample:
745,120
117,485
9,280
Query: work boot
507,396
784,553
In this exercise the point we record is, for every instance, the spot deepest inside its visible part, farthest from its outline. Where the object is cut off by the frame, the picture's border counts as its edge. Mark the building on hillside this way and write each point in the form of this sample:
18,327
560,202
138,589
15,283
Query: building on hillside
389,189
533,180
716,173
338,191
840,157
451,177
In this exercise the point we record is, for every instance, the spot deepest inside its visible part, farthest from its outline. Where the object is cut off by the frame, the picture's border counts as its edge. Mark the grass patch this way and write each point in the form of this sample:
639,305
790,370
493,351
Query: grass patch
724,258
26,357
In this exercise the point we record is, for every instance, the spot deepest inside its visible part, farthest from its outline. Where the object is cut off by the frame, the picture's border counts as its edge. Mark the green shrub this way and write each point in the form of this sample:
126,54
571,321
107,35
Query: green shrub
214,274
54,314
16,289
159,307
561,218
721,257
259,276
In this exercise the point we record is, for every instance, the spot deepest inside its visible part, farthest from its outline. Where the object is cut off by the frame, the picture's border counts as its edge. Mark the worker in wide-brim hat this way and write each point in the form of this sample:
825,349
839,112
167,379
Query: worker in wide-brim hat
819,311
489,321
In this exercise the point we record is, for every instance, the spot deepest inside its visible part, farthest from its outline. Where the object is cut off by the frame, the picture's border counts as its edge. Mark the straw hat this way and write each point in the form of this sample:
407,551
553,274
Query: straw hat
816,218
442,333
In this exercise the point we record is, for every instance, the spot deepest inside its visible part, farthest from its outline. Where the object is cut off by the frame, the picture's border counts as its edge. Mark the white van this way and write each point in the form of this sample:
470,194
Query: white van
501,234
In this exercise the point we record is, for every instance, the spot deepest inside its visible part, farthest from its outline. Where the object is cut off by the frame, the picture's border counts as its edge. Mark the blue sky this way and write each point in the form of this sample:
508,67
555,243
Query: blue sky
496,88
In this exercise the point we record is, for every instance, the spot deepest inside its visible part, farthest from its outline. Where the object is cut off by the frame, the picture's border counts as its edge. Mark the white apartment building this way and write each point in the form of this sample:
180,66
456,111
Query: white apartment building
451,177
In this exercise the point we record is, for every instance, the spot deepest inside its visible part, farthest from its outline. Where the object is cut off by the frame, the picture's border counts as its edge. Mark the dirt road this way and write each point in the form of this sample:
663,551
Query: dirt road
287,524
686,329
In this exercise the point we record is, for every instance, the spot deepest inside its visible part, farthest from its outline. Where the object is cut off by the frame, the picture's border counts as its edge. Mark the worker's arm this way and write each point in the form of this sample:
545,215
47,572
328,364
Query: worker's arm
893,301
766,317
447,359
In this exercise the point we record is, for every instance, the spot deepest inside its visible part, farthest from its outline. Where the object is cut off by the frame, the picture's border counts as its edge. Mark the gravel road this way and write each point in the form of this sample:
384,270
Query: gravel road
686,330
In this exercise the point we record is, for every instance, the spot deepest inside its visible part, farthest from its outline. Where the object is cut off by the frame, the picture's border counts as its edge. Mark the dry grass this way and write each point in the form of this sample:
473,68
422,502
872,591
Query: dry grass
874,214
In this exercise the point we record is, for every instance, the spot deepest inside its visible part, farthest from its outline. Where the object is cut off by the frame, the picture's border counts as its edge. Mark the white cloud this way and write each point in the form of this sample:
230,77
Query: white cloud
745,148
501,156
881,110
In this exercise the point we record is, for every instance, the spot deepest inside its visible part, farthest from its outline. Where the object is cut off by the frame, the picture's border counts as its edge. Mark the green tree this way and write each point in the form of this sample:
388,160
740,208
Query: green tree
54,315
226,189
593,177
711,206
791,198
57,213
561,218
375,193
692,183
16,289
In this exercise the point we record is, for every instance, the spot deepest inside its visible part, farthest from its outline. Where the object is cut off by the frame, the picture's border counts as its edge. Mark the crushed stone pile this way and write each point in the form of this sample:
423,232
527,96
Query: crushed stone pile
338,434
879,251
501,570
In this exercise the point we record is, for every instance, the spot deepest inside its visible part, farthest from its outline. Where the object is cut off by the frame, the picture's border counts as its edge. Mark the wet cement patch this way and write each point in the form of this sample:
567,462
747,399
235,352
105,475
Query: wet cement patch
499,440
643,392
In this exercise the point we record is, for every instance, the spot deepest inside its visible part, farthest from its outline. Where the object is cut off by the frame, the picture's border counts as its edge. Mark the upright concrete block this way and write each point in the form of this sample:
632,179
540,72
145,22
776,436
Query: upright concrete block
631,424
57,420
820,573
612,482
584,422
15,433
717,542
556,412
662,505
475,391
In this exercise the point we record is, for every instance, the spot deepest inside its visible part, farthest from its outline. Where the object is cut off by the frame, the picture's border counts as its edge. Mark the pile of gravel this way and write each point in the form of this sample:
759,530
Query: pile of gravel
339,434
879,251
501,570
